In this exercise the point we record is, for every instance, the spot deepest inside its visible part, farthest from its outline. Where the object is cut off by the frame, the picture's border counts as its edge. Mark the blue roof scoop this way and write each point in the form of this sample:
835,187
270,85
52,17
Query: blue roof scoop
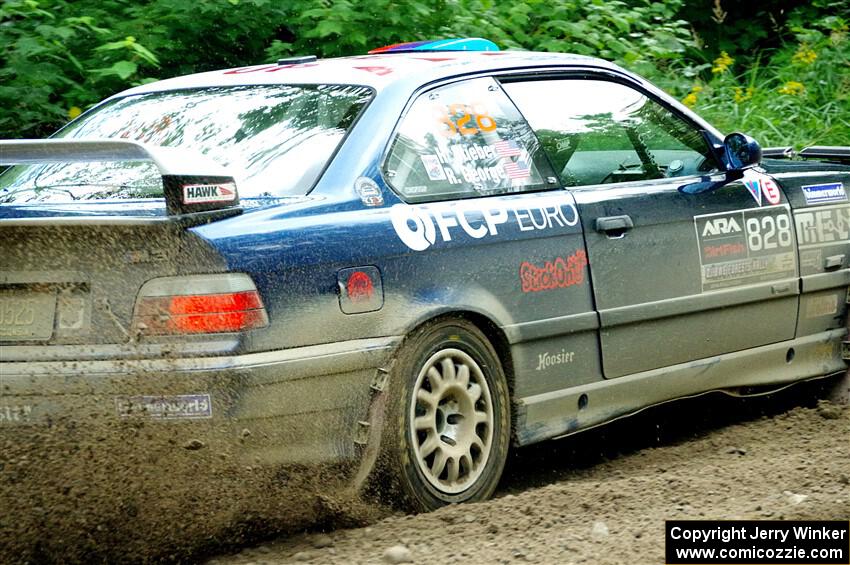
454,44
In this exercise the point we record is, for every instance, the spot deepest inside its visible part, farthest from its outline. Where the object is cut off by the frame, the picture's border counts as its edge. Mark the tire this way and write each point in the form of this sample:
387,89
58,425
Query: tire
447,428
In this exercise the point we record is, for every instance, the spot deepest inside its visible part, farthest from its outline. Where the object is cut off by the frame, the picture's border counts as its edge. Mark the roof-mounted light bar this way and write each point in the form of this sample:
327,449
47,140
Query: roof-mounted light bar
192,182
431,45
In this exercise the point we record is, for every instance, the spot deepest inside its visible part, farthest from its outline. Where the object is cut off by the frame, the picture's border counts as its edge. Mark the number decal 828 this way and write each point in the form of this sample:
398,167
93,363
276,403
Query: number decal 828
769,232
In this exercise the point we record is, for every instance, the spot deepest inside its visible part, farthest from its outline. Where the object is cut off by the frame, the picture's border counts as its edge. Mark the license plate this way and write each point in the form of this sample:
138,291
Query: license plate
26,315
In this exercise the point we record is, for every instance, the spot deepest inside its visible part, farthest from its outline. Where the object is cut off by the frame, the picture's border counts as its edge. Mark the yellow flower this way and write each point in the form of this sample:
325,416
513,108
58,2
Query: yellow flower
805,55
691,99
792,87
742,95
722,63
74,111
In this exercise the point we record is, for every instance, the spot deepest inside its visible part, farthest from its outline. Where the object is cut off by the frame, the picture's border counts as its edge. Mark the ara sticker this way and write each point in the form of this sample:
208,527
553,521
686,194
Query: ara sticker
204,193
824,193
745,247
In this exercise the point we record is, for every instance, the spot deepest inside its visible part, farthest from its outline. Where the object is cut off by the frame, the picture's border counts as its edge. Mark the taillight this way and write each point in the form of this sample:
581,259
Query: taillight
199,304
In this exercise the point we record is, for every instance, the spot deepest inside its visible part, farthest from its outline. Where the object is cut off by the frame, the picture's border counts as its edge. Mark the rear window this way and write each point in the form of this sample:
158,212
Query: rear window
465,140
275,141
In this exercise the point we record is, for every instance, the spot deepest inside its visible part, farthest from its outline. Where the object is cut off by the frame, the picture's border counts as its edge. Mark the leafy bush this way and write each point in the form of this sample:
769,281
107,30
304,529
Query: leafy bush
797,94
779,74
60,56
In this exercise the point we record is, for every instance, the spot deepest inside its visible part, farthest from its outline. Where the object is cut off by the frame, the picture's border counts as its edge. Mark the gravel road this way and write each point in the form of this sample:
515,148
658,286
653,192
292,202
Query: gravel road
602,496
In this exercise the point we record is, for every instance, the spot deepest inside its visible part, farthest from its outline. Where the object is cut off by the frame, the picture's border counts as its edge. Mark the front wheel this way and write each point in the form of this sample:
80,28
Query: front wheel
449,424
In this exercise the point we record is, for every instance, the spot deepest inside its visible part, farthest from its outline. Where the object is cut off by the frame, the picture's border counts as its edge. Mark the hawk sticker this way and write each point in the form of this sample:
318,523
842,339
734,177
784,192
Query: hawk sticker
205,193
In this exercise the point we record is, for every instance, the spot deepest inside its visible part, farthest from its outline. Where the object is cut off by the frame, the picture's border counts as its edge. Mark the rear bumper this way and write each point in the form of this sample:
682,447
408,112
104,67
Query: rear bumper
295,406
185,450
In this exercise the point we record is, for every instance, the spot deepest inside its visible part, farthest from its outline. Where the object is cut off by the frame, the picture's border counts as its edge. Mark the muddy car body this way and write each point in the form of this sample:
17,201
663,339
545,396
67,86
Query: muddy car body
468,262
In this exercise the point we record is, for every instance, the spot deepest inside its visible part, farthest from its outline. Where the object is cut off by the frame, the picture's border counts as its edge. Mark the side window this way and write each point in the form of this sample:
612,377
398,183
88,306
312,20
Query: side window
465,140
597,132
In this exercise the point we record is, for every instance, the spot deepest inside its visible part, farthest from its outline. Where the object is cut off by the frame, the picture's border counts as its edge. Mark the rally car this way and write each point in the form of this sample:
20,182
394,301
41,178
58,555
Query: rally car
406,262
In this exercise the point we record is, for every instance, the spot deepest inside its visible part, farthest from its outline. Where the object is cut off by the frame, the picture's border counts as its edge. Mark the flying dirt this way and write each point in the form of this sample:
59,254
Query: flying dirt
602,497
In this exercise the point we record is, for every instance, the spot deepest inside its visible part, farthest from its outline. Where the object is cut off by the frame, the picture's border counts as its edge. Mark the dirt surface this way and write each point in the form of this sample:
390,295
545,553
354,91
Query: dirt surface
602,496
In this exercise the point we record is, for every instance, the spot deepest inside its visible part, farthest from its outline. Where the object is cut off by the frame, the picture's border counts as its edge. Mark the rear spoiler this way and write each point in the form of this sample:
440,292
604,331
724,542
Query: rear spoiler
192,182
823,152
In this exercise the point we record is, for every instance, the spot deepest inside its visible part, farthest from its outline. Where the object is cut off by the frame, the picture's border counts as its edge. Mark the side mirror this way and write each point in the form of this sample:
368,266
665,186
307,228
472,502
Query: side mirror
742,151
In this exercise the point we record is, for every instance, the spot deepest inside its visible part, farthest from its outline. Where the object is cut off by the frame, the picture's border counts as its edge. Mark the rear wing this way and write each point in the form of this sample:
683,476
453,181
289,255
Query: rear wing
823,152
192,182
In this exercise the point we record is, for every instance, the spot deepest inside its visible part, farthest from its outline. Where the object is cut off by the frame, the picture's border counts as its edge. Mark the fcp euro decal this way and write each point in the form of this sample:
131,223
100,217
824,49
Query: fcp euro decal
420,227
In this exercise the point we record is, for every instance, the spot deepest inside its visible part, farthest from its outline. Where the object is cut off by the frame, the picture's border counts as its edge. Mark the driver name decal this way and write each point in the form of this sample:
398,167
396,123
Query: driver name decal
745,247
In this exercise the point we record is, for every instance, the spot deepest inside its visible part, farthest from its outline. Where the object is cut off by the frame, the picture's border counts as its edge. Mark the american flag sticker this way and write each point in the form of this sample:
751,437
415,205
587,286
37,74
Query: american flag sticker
517,170
507,148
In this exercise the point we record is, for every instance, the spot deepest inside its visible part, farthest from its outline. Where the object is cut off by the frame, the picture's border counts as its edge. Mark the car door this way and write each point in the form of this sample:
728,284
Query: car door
676,276
487,227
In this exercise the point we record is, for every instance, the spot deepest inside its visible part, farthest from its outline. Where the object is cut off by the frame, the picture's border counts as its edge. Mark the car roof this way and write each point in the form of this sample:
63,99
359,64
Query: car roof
376,71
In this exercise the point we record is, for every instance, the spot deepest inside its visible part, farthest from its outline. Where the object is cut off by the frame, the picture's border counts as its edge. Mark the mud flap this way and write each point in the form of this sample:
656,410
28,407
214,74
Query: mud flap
840,394
840,391
369,431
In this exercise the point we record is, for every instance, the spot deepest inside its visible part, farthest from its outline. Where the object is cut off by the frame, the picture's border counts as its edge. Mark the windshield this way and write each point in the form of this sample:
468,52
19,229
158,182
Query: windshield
274,140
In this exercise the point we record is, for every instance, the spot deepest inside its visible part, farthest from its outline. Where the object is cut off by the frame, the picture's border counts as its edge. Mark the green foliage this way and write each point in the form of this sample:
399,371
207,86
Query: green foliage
801,94
59,57
640,35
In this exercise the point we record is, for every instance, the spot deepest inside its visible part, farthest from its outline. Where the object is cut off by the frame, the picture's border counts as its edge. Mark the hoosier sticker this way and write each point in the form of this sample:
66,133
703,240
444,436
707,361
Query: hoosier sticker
745,247
205,193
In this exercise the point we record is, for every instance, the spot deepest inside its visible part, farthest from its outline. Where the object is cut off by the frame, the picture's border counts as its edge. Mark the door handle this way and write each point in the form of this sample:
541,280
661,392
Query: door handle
833,262
614,227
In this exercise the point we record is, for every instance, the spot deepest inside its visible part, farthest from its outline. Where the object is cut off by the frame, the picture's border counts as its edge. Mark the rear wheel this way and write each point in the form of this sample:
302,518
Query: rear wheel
448,428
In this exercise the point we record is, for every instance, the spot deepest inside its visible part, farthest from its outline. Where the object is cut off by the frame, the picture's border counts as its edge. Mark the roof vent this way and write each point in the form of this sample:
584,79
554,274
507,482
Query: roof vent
296,60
